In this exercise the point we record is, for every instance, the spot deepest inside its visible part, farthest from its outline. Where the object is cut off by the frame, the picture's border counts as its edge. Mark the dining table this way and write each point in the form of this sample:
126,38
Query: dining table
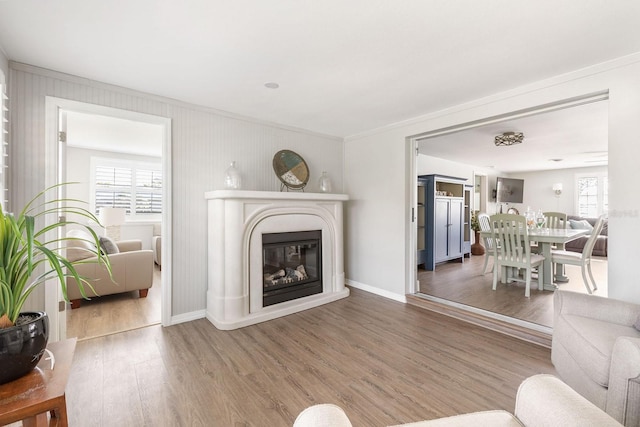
546,239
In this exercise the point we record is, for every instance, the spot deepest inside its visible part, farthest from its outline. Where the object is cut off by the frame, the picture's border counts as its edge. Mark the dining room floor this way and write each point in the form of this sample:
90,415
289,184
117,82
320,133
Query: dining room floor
465,283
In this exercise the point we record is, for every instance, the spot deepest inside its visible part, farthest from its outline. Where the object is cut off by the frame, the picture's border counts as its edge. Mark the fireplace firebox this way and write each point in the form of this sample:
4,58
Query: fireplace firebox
292,265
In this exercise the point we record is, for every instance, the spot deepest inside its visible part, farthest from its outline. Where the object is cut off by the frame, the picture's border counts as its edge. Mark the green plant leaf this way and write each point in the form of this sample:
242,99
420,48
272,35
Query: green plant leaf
23,255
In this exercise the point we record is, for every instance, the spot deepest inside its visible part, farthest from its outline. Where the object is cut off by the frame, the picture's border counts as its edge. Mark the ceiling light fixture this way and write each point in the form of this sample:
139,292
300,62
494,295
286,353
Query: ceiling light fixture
272,85
509,138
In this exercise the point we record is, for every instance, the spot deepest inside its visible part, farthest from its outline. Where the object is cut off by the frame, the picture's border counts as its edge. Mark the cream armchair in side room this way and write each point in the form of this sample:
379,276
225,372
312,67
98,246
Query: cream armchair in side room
595,349
156,245
131,267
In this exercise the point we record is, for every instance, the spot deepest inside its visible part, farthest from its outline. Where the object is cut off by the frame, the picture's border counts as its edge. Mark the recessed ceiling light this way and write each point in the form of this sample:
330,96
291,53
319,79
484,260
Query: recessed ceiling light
556,160
272,85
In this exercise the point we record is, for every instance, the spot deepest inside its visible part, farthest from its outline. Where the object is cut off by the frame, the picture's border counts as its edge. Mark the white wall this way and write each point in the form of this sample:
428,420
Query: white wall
4,63
378,218
538,192
428,165
204,141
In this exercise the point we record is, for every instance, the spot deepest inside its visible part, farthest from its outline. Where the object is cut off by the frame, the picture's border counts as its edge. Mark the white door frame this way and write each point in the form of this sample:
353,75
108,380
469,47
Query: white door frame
412,285
412,148
53,105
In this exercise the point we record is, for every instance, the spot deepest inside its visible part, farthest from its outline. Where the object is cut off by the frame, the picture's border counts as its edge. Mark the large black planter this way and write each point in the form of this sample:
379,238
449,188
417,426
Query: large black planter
22,346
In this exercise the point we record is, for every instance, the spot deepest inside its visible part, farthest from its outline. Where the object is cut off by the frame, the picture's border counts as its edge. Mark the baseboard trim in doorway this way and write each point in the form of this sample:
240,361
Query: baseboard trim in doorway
527,331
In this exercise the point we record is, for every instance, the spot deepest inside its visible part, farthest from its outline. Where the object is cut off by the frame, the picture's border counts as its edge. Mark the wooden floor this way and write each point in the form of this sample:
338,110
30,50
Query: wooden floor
384,362
116,313
465,283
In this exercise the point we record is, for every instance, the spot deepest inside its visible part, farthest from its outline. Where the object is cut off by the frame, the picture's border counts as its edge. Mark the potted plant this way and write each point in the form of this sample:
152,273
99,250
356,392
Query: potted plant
476,247
29,257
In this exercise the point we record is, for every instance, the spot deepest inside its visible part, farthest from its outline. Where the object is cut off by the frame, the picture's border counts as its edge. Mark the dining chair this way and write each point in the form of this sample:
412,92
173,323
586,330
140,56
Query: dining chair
489,244
583,259
512,238
556,219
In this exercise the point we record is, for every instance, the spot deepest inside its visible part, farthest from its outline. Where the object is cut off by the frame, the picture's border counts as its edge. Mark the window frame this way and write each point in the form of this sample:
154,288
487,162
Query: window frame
134,165
602,195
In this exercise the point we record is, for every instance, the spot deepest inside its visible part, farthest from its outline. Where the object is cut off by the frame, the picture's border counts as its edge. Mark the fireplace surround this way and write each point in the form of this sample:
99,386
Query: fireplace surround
237,222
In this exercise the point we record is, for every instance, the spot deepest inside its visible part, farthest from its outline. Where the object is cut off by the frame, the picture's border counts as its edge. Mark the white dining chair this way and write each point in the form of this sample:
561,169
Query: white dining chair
556,219
583,259
553,220
514,250
489,244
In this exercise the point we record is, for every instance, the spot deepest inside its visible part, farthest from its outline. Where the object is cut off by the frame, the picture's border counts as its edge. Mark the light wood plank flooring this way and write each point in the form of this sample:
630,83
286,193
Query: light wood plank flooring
384,362
466,284
116,313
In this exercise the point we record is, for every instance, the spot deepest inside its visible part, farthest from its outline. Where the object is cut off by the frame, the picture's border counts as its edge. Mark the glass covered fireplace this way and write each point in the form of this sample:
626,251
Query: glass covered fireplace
291,266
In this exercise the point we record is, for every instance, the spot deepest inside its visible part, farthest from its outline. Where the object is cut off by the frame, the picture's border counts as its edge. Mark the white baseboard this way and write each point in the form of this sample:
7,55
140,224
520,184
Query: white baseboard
377,291
201,314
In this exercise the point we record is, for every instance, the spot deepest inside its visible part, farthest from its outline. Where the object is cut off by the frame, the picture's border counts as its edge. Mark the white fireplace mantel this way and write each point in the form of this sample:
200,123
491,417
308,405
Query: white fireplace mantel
237,220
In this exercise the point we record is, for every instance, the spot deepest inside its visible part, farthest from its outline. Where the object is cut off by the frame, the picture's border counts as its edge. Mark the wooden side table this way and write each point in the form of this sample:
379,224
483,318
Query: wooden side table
41,391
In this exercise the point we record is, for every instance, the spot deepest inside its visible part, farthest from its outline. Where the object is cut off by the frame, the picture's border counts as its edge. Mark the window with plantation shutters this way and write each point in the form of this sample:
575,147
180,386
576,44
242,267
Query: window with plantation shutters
113,187
134,186
148,191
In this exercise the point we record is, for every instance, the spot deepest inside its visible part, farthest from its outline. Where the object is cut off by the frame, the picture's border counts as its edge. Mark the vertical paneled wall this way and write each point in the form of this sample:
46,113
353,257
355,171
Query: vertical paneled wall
204,142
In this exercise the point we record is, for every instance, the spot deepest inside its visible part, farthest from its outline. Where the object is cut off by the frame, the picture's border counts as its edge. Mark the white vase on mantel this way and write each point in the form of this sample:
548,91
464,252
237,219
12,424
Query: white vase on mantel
324,183
232,180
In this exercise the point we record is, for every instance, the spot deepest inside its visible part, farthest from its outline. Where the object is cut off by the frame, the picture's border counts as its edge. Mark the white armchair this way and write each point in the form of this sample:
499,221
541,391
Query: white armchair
542,401
596,350
156,245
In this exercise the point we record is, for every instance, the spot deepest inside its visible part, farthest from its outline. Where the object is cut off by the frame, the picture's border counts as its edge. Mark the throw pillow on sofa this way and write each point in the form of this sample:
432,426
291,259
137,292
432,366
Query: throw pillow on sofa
108,246
580,225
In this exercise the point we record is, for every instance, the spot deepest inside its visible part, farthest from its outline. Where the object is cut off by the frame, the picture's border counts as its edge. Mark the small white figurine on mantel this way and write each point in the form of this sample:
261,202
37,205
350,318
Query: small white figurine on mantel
232,180
324,183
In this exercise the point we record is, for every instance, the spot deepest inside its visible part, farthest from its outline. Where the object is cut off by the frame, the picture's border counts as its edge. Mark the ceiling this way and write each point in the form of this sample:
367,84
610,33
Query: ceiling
103,133
568,138
343,67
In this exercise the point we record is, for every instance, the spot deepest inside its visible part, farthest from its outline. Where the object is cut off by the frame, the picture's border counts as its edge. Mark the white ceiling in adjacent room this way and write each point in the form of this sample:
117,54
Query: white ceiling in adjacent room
104,133
568,138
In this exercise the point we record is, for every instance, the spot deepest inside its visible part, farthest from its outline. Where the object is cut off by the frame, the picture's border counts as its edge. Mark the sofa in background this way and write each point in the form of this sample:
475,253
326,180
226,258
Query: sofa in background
600,248
542,401
131,267
595,349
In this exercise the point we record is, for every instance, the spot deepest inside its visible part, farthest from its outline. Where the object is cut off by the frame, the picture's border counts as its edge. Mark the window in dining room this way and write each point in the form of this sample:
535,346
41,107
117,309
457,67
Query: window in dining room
592,195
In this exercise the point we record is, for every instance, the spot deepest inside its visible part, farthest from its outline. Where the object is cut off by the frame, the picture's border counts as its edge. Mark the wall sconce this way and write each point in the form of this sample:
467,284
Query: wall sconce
557,188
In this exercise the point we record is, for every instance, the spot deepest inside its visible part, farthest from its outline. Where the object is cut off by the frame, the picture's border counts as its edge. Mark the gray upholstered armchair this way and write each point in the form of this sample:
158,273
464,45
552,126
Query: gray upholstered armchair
596,350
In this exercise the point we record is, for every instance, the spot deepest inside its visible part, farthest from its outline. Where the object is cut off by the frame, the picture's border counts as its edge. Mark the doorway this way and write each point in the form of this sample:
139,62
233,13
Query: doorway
469,277
90,149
